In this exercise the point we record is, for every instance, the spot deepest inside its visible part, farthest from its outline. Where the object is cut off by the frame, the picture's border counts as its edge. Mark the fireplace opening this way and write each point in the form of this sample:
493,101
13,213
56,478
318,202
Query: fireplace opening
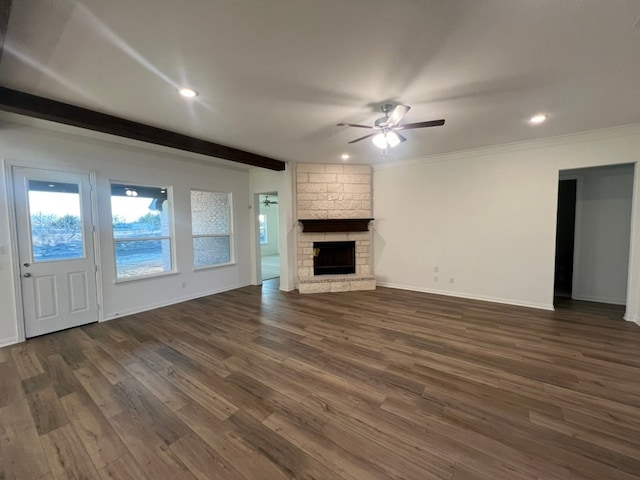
334,258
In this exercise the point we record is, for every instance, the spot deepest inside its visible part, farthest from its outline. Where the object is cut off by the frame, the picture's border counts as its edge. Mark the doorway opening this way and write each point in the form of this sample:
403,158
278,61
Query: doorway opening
593,234
565,238
269,235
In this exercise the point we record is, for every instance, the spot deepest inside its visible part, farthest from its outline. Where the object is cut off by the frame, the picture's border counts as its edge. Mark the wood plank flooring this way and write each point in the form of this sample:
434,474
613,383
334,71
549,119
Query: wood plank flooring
388,384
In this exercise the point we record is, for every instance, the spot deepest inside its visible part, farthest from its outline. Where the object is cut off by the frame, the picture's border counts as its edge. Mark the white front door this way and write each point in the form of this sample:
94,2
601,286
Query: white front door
56,249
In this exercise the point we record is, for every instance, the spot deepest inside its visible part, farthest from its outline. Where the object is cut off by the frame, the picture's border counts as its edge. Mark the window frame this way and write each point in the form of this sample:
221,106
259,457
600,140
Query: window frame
171,237
266,229
232,258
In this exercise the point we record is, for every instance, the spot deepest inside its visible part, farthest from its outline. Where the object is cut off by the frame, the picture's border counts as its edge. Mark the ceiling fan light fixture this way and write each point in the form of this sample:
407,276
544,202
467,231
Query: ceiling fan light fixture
266,202
384,135
393,139
380,140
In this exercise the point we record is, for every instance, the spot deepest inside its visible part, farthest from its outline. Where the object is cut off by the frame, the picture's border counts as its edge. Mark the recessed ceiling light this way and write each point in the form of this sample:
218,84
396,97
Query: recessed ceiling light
187,92
538,119
345,156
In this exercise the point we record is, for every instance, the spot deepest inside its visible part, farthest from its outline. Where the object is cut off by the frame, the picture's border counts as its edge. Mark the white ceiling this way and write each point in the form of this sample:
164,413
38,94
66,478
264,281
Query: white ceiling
276,76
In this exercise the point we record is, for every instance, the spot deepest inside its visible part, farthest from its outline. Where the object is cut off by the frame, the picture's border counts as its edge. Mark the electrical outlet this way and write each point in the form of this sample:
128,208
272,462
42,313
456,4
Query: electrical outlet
451,279
436,269
435,278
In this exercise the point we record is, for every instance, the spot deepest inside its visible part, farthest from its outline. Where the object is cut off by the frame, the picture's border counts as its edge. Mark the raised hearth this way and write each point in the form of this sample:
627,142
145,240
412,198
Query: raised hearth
337,283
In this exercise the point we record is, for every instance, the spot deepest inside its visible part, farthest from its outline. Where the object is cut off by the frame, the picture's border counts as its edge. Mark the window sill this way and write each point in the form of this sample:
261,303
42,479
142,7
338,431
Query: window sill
145,277
209,267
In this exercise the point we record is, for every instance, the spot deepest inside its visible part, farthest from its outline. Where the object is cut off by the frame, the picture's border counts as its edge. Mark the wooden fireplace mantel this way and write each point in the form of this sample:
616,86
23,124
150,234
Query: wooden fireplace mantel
333,225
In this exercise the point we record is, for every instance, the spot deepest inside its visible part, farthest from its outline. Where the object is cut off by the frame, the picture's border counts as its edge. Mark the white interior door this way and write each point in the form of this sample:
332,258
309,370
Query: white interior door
56,249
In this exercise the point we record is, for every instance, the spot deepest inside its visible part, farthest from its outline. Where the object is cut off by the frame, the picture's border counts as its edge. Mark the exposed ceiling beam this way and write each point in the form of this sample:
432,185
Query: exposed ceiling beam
52,110
5,11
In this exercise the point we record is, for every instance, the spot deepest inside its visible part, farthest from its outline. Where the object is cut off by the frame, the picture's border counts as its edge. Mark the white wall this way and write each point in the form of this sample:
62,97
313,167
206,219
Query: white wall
603,230
272,247
263,181
29,146
487,218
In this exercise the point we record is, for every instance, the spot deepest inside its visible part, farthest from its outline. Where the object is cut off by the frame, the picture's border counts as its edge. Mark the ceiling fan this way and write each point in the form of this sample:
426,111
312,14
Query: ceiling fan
266,202
387,127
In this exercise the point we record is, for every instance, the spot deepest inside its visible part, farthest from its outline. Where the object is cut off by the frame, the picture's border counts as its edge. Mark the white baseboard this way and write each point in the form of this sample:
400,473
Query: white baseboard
4,342
282,288
587,298
484,298
133,311
632,318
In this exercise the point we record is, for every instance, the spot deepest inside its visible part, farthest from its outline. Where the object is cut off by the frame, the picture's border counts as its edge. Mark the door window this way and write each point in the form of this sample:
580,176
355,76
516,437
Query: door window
56,221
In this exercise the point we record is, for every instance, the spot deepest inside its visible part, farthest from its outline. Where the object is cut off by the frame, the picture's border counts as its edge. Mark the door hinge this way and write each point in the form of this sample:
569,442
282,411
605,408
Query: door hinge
96,268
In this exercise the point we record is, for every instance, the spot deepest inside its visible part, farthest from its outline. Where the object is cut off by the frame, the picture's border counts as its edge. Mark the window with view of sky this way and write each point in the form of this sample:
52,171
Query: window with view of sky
142,230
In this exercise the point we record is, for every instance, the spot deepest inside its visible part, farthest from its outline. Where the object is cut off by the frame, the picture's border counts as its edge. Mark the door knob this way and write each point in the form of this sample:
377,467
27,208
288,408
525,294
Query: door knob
27,275
27,264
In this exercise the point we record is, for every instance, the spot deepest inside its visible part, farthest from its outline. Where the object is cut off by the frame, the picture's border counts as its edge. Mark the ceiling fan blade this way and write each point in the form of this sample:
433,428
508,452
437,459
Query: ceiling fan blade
402,139
397,114
354,125
430,123
362,138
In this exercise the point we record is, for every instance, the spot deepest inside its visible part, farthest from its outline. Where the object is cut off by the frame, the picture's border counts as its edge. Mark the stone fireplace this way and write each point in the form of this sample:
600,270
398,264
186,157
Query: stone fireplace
334,241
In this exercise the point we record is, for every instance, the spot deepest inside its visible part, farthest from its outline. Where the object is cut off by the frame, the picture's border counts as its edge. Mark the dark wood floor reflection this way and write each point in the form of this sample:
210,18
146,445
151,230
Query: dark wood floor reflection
259,384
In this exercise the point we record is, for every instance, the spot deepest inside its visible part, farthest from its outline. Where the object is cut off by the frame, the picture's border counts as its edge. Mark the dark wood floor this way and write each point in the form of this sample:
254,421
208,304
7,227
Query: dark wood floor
258,384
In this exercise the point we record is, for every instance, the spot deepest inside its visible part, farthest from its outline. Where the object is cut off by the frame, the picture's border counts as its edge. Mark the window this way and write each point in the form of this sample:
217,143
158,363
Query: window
262,219
142,230
211,228
56,221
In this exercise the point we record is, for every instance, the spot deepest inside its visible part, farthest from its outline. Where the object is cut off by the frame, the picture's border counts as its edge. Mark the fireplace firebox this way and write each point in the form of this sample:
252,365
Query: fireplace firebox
334,258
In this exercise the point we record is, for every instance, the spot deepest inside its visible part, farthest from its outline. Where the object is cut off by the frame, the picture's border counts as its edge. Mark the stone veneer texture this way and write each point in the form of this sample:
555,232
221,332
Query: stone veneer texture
327,191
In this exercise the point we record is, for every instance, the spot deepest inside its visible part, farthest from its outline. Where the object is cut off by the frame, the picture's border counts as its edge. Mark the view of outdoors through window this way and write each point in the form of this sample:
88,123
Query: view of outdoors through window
56,226
141,230
262,219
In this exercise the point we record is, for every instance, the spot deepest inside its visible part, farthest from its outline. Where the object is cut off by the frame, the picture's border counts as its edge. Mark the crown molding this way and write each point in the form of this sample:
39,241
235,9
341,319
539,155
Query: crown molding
572,138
